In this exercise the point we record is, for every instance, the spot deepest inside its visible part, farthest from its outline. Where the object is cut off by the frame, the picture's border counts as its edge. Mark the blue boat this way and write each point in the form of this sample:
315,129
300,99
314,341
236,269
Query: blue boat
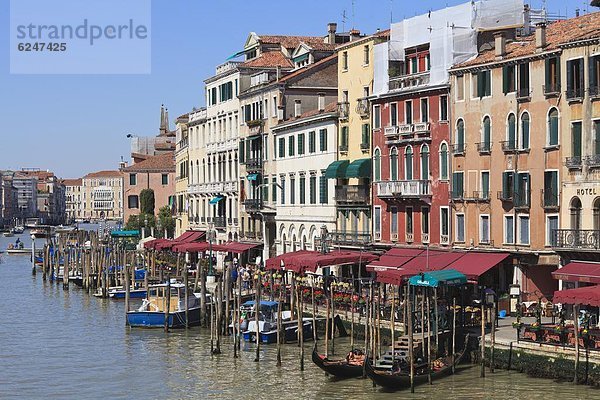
151,314
133,293
267,323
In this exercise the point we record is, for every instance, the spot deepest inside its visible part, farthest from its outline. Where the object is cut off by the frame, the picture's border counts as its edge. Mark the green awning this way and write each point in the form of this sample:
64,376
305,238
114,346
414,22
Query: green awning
215,200
131,233
252,177
337,169
359,168
448,277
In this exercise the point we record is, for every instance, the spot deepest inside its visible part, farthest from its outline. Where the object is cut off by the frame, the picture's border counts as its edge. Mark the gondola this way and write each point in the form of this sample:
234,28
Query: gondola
337,368
401,380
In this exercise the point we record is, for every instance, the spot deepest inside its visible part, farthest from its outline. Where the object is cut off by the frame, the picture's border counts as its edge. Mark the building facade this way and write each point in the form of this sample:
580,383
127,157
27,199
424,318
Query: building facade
103,195
8,199
181,184
74,209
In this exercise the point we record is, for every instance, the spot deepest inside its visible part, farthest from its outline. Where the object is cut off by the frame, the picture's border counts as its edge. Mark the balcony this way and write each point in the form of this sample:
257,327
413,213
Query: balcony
593,161
552,89
521,200
230,186
404,189
348,238
458,149
573,162
523,94
594,91
509,146
505,195
576,239
549,200
481,195
220,222
422,128
349,194
457,195
343,110
365,146
343,148
444,239
362,108
484,147
254,164
390,131
253,205
575,94
409,81
406,129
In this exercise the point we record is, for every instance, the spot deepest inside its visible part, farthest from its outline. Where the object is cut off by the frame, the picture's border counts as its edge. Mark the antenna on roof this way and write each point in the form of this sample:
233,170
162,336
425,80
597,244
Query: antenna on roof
344,19
353,26
391,11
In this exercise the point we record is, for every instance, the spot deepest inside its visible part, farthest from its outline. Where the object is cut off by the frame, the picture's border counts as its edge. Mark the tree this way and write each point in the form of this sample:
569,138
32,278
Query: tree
166,220
147,201
137,222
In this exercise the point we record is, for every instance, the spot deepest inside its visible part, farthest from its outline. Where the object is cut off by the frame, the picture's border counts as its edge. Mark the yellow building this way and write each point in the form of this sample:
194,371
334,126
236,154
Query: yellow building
352,170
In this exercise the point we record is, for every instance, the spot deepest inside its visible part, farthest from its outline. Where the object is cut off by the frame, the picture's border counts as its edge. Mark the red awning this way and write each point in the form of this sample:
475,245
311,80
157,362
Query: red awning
579,271
151,244
394,258
589,295
191,247
391,276
186,237
432,260
304,260
235,247
475,264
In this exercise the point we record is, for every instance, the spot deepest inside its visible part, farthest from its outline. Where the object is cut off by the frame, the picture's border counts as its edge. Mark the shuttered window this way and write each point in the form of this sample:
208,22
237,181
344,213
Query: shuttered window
323,139
300,144
323,189
553,127
312,146
281,147
457,185
508,79
366,136
242,151
312,189
576,139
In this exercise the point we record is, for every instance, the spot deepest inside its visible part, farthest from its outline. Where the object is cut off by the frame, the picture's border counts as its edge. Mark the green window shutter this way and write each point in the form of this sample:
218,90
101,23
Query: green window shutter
558,68
511,131
576,139
505,83
553,122
302,190
570,75
242,151
323,139
291,146
479,84
323,189
524,76
485,185
365,134
525,133
265,189
592,71
301,144
274,191
581,77
486,132
313,189
311,142
548,72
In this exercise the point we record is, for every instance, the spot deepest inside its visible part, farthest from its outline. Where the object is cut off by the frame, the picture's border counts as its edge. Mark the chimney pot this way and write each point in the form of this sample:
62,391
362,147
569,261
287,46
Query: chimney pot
499,45
540,36
331,29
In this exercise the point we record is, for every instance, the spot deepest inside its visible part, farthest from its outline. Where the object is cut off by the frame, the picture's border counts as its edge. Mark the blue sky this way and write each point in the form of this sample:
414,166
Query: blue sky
74,124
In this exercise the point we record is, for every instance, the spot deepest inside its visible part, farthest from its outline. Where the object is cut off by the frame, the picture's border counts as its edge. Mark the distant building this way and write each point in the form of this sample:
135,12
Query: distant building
156,173
74,199
26,188
103,195
8,199
147,146
50,196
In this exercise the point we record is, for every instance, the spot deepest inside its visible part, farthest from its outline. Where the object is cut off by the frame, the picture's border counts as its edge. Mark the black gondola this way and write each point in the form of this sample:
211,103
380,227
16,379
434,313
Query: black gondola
401,380
337,368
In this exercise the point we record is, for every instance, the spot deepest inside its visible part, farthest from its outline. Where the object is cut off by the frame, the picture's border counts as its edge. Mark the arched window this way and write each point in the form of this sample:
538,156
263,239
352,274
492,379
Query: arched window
524,136
203,171
553,127
444,161
408,163
394,164
596,213
425,162
511,132
486,135
460,136
377,164
575,213
197,171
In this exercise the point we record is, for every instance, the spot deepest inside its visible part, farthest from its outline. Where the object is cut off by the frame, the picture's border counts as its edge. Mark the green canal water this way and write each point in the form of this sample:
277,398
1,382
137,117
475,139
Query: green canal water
57,344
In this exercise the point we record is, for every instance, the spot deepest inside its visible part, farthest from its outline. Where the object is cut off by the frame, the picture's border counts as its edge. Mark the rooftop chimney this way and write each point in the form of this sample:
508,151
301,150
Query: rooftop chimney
577,12
331,29
499,45
354,34
540,37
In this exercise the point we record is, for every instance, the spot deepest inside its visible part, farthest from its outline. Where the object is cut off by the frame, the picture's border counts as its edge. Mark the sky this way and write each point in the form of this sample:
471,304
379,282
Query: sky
75,124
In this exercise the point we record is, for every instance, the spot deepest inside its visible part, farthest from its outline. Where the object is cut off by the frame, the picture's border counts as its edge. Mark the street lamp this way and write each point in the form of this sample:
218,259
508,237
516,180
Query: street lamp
210,236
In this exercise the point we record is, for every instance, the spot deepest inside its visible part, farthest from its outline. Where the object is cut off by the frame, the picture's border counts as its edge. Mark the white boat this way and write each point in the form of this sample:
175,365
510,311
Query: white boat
8,234
18,230
18,251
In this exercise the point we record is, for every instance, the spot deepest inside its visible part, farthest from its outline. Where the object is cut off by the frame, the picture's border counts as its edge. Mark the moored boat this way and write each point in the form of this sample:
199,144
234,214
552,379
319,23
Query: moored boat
343,368
267,324
17,251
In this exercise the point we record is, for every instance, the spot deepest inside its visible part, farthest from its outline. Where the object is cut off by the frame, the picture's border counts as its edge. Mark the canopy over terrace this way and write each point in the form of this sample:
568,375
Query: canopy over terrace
153,243
304,260
235,247
434,279
579,271
186,237
589,295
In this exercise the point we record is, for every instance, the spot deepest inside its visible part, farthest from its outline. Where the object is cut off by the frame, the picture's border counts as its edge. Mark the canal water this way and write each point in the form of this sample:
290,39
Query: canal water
57,344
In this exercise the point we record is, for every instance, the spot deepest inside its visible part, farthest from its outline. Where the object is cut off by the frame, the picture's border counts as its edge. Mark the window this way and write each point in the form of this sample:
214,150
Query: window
165,179
312,142
508,181
425,162
321,101
523,80
394,164
484,229
344,139
133,201
460,228
550,197
552,76
292,190
242,151
345,60
393,114
377,221
366,91
594,69
274,106
377,165
511,132
575,211
444,161
444,226
508,79
553,127
481,84
596,137
576,141
291,146
366,55
509,229
312,189
213,96
376,117
133,178
323,139
282,190
486,133
394,220
424,110
460,87
523,229
408,113
522,190
460,136
443,108
458,185
409,220
408,163
274,191
281,147
524,142
323,189
265,189
425,220
551,227
300,144
575,79
297,108
485,185
414,65
302,189
366,136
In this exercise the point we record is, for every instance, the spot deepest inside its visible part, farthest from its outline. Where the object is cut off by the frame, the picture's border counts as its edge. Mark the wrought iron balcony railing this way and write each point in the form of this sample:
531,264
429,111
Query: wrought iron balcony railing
573,162
575,94
552,89
349,238
509,146
576,239
458,148
593,161
253,204
352,194
484,147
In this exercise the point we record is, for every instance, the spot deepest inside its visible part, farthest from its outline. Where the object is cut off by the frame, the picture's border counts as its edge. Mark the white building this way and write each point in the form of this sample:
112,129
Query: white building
73,199
305,198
